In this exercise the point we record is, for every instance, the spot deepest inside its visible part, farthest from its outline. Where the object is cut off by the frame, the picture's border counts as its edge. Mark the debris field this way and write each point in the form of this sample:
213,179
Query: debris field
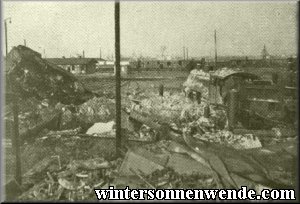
170,138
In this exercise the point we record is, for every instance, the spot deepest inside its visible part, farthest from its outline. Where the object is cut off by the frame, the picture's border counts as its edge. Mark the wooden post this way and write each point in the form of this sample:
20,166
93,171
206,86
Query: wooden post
16,140
161,90
118,79
275,78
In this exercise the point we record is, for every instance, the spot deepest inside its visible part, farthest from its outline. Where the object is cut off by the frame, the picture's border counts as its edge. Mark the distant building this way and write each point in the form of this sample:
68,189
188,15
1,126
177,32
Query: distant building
76,65
156,64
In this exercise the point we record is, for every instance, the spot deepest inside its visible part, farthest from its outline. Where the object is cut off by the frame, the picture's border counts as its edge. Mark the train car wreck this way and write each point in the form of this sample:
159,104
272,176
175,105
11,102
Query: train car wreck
257,103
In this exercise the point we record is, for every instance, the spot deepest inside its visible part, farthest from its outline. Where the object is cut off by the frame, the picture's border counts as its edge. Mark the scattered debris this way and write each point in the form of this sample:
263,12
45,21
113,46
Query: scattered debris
227,138
189,144
99,128
75,181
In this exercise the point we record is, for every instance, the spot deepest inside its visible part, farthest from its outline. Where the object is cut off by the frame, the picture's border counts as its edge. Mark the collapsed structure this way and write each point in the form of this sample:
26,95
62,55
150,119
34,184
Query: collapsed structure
31,76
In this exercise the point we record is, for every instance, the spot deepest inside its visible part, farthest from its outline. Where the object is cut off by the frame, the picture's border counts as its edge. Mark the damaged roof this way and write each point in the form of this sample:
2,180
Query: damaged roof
31,76
23,53
225,72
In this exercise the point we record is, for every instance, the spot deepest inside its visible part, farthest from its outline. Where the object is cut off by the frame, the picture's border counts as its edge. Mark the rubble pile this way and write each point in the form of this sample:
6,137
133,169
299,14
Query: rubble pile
97,109
161,165
183,114
167,178
227,138
169,106
73,181
176,108
197,81
210,130
31,111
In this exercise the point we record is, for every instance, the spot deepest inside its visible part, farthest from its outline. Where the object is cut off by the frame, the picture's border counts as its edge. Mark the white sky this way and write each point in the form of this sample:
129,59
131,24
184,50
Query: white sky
68,28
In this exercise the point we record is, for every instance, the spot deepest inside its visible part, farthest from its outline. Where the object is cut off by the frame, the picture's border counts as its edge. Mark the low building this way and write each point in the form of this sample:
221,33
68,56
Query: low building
76,65
105,66
109,66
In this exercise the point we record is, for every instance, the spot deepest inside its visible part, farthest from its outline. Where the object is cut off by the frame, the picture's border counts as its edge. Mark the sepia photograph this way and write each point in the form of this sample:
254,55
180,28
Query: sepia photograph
149,100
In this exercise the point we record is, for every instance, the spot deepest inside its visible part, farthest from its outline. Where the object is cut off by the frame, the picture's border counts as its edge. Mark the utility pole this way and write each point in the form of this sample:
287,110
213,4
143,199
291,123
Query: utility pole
15,110
183,53
118,79
216,55
16,143
25,42
5,27
83,54
100,53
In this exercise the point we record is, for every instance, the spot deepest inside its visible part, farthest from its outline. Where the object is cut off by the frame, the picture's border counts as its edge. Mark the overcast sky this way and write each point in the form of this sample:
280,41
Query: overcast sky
68,28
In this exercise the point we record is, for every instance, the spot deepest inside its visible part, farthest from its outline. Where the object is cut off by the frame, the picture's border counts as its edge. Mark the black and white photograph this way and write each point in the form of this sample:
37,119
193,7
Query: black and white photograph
149,101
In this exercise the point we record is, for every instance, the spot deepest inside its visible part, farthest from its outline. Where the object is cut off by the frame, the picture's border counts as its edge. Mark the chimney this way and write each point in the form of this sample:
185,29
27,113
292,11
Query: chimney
187,53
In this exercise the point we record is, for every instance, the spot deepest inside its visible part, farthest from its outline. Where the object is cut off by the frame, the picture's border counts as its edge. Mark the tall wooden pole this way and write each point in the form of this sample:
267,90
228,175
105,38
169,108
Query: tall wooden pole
16,141
118,79
6,47
216,54
183,53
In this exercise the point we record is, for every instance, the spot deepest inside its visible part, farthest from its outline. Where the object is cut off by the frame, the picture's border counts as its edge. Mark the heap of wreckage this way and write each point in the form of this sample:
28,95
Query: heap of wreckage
178,140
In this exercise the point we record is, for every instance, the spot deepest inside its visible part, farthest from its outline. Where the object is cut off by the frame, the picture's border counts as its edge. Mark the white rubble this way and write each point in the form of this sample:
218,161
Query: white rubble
99,128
